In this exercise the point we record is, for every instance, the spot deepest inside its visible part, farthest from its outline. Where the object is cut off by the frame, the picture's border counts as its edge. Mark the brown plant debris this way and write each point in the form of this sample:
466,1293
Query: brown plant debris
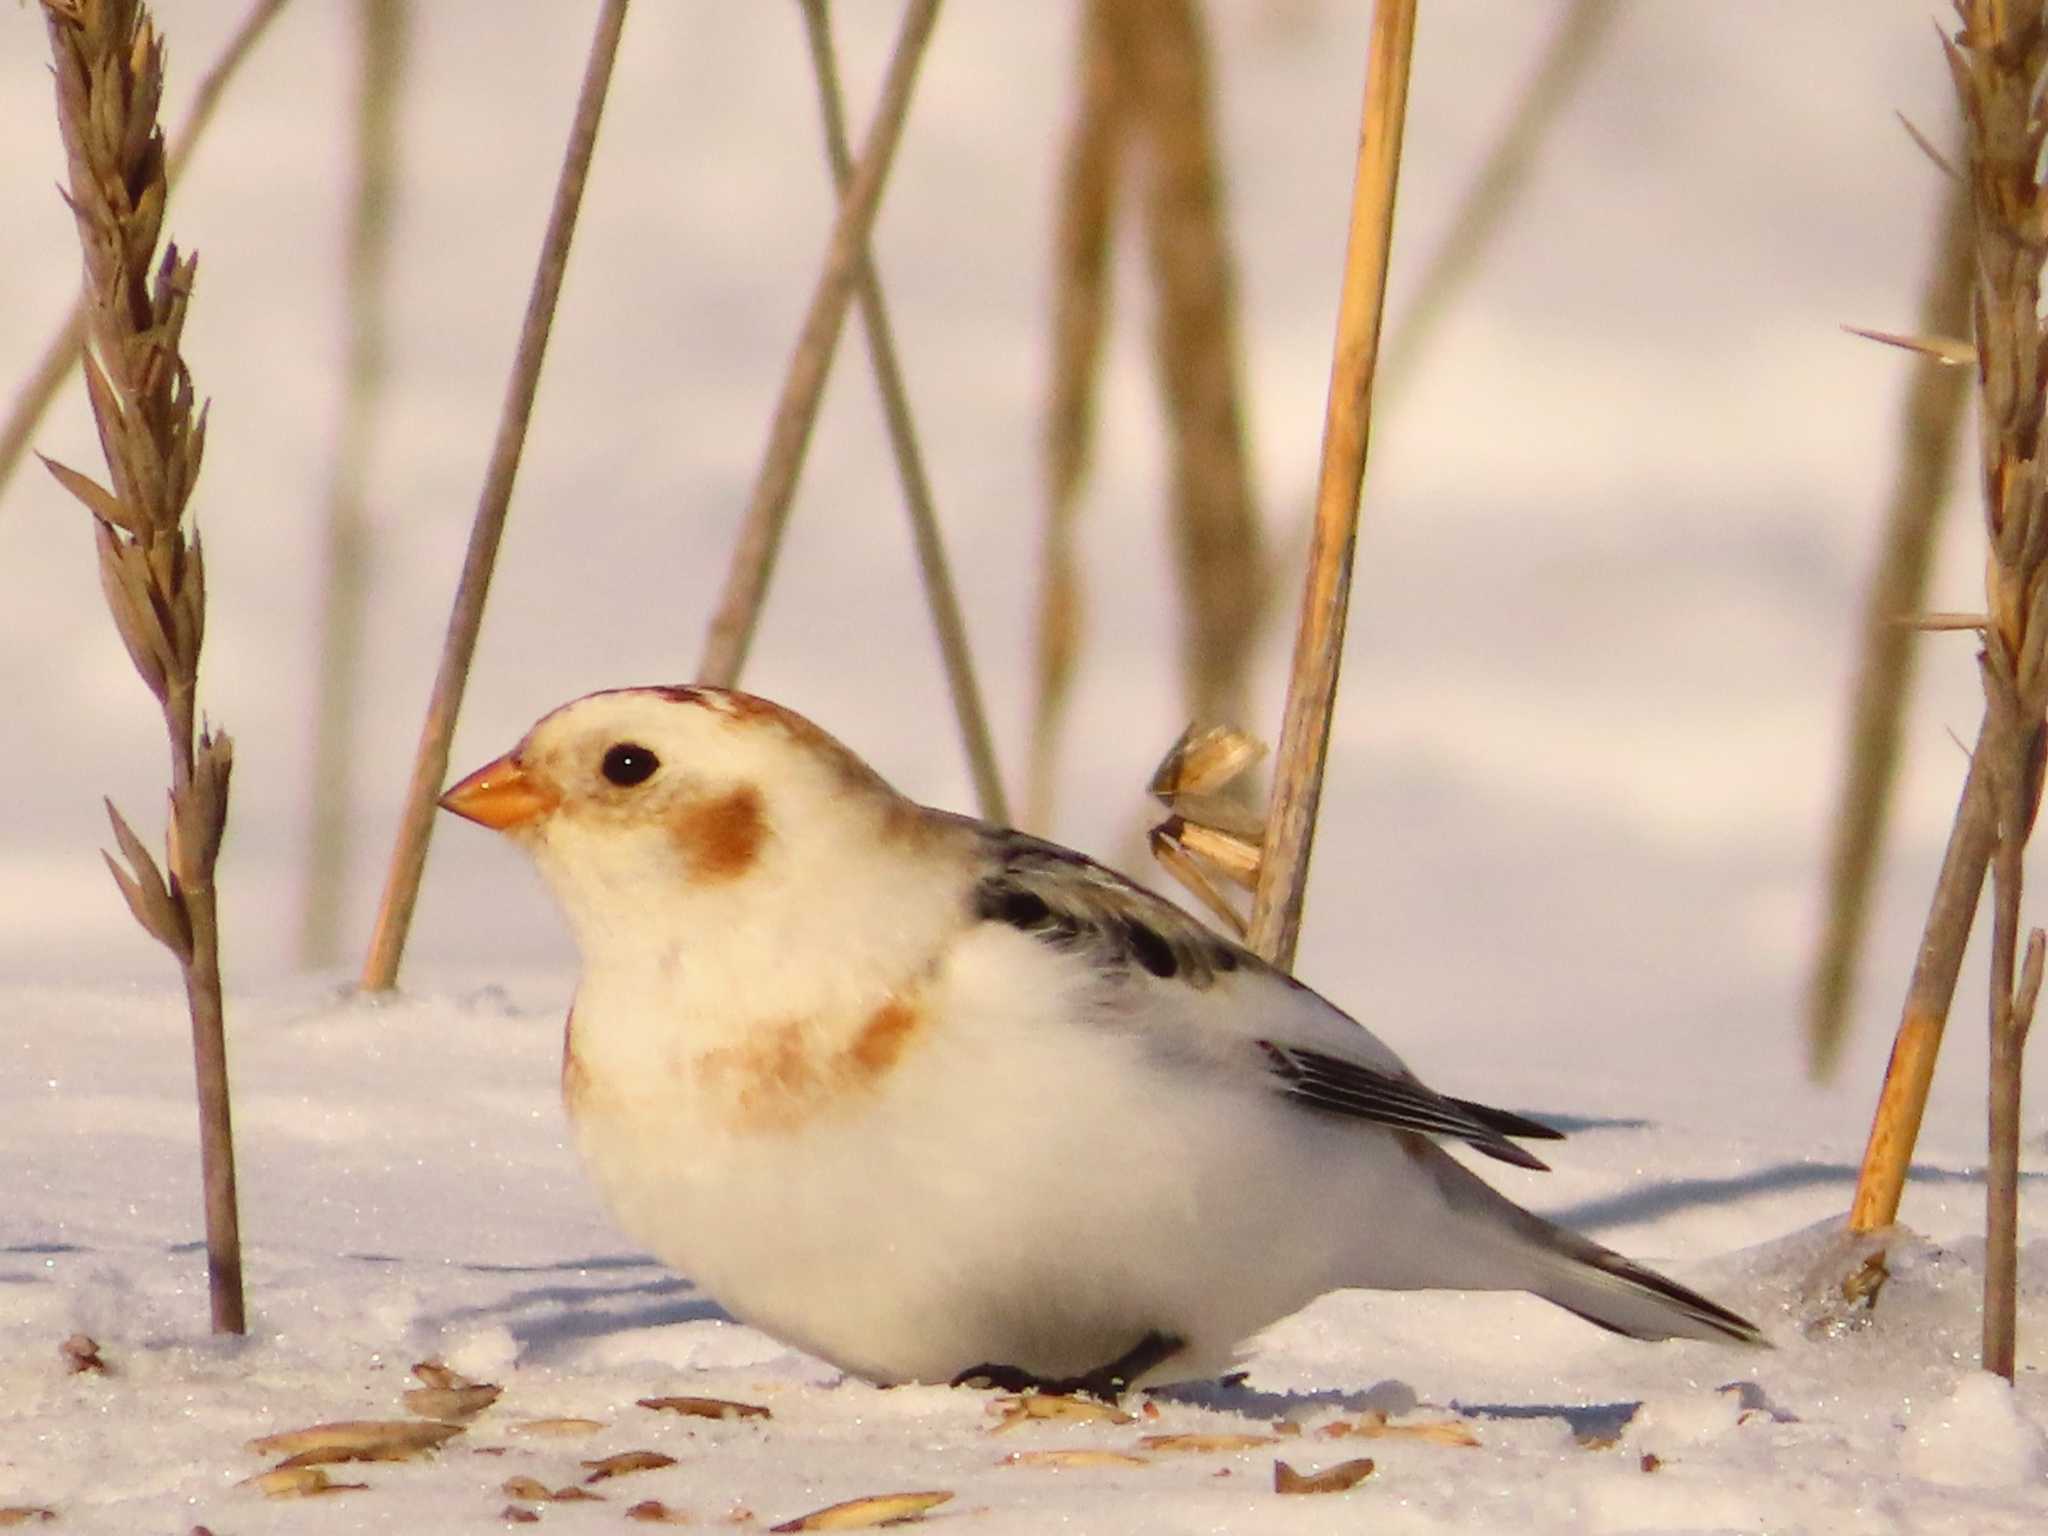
81,1354
1022,1407
518,1514
866,1513
534,1491
706,1407
25,1514
356,1440
1344,1475
654,1512
561,1428
289,1482
1374,1426
625,1462
1075,1456
1209,1442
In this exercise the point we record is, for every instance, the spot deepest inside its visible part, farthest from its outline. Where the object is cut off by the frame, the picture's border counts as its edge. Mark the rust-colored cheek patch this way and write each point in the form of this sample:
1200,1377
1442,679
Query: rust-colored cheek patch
784,1076
721,838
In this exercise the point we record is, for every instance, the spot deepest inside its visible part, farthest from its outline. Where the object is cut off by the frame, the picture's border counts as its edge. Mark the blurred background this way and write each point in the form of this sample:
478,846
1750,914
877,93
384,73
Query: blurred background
1619,513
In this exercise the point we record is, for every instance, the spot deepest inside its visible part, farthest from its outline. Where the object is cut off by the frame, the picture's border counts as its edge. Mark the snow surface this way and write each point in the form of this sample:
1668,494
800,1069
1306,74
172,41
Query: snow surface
408,1195
1618,525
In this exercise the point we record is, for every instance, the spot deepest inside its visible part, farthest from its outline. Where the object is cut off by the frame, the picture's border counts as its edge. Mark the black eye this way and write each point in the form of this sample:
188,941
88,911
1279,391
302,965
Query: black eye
628,763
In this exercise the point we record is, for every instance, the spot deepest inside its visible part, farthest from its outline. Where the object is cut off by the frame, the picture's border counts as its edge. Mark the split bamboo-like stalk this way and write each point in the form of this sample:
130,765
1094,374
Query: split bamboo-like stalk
1319,643
731,631
381,32
940,597
430,762
108,64
33,399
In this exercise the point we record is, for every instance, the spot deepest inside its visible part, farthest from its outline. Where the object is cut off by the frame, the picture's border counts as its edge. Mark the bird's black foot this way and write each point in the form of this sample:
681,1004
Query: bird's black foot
1106,1383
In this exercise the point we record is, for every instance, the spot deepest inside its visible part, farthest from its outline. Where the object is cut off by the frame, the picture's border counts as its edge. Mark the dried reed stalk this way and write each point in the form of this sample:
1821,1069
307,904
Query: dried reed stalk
1997,60
108,63
1933,427
1195,350
1145,96
380,62
1319,643
33,399
731,631
1484,209
430,762
940,598
1084,224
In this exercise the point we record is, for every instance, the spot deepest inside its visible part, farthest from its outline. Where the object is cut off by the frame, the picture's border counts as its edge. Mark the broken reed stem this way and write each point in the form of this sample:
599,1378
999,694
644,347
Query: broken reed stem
939,594
1084,220
731,631
1318,649
33,399
1933,431
1902,1101
108,65
430,763
380,62
1483,211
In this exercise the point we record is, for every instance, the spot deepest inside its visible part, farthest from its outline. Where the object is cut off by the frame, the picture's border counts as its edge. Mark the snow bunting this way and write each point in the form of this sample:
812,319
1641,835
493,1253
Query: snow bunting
936,1100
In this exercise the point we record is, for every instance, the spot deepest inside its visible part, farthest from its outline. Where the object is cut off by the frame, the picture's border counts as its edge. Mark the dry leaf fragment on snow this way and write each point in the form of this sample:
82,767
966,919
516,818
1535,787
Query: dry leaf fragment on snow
452,1402
1374,1426
563,1428
1346,1474
1048,1405
436,1373
706,1407
624,1462
654,1512
356,1440
1200,1442
518,1514
535,1491
81,1354
1077,1456
23,1514
301,1482
863,1514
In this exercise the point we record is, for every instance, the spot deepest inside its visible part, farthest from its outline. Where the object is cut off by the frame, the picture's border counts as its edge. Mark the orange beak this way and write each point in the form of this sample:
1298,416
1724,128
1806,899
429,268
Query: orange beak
500,795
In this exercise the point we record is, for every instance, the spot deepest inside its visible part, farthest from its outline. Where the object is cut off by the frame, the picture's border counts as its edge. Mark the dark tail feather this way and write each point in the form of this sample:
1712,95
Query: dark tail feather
1623,1297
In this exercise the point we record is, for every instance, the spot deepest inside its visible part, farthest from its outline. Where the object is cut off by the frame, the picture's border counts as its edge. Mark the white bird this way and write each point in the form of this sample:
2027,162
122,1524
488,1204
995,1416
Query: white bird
935,1100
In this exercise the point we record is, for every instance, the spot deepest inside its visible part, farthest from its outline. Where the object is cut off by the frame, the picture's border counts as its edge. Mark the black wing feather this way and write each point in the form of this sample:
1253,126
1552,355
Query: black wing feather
1347,1088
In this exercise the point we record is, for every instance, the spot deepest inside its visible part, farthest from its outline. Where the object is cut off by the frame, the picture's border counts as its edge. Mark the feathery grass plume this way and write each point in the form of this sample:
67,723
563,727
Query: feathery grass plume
1999,58
1927,449
380,65
1347,426
494,502
1084,223
54,366
109,78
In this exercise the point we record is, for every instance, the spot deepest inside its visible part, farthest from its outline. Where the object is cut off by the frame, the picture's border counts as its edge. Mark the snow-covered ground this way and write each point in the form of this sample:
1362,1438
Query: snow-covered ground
1619,522
408,1196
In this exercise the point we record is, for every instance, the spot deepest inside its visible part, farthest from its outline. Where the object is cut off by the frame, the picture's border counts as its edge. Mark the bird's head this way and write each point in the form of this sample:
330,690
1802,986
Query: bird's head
648,798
